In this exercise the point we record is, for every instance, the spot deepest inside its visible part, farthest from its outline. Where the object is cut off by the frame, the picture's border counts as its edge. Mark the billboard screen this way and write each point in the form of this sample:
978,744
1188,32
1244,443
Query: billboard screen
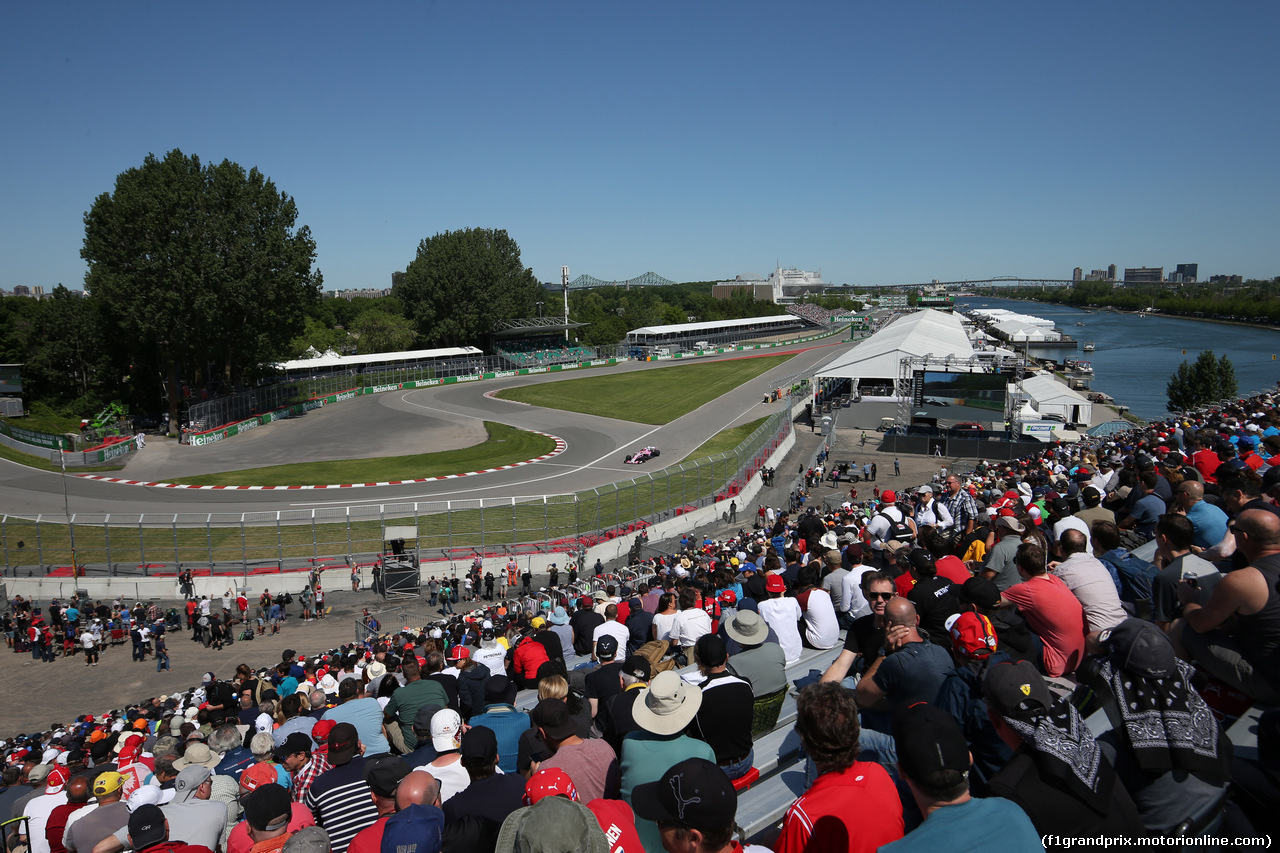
959,397
10,379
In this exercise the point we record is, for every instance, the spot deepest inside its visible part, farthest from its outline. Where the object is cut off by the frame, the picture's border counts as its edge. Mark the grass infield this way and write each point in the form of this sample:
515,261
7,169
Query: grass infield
646,396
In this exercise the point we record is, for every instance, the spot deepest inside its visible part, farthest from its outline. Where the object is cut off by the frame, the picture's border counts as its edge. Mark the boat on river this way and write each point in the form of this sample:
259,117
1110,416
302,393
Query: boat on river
1088,346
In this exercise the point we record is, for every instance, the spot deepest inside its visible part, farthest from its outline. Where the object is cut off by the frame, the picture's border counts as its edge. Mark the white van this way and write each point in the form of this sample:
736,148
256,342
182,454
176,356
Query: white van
701,345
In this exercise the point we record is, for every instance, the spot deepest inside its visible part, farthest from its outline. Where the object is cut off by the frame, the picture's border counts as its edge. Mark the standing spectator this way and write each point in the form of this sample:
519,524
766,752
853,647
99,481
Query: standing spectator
162,652
852,805
960,504
90,645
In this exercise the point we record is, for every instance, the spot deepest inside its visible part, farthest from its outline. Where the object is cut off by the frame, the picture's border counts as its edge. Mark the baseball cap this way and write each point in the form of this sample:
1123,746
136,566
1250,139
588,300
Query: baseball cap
637,666
888,496
106,782
972,635
383,773
480,743
459,652
208,678
552,716
343,743
294,743
267,807
549,782
416,829
978,590
607,646
1017,690
929,741
775,583
694,792
446,730
146,826
259,774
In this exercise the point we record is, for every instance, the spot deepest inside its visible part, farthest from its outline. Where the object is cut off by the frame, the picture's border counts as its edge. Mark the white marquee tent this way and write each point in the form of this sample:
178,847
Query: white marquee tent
1051,397
879,357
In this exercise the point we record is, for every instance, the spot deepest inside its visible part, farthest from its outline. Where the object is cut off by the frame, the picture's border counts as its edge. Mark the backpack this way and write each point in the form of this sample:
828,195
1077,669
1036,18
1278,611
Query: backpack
653,651
899,531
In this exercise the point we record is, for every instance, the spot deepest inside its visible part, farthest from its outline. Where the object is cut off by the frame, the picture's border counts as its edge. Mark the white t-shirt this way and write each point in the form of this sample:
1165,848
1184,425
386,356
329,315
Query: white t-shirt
783,616
619,632
820,626
662,625
852,589
689,625
492,655
86,640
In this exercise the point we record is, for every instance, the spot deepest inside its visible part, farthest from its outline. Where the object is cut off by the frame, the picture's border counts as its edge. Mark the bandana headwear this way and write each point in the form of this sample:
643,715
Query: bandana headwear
1065,749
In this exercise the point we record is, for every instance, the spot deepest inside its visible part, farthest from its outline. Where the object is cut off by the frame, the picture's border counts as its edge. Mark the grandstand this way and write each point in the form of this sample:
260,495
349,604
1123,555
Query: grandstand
537,352
715,332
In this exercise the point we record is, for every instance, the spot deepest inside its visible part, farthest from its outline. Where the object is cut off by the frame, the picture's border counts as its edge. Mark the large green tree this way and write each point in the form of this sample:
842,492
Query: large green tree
201,269
1208,380
462,281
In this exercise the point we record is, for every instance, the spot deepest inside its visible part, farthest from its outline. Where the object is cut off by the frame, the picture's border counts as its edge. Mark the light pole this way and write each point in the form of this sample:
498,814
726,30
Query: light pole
66,507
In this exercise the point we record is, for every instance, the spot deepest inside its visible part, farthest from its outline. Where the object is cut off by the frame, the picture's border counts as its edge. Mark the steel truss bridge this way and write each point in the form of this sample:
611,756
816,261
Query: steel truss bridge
648,279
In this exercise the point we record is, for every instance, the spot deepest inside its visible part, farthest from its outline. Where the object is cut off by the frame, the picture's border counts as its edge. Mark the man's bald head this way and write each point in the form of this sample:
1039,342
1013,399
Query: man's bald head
417,788
1262,531
900,611
78,790
1192,489
1073,542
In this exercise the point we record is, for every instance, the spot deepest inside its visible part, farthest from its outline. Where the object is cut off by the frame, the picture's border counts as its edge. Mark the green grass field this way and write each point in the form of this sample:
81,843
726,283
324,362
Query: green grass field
505,446
646,396
726,440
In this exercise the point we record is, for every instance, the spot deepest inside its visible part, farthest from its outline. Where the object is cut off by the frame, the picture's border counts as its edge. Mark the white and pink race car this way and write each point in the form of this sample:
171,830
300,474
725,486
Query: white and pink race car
642,455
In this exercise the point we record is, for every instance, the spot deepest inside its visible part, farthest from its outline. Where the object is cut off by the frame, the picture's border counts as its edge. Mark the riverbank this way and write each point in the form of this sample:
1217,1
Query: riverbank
1103,308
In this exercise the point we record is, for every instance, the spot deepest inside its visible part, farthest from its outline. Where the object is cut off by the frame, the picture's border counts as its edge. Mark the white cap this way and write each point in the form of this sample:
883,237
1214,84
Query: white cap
446,730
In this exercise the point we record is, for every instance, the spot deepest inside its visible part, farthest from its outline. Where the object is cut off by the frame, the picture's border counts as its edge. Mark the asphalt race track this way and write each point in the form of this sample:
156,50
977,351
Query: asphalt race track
400,423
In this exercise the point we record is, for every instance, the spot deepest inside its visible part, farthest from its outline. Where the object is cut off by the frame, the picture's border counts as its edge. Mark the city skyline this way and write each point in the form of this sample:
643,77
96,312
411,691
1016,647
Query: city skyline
881,145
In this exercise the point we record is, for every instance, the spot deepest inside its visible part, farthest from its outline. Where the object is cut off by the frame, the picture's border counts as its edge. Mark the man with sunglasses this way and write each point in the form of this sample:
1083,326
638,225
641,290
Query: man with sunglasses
865,638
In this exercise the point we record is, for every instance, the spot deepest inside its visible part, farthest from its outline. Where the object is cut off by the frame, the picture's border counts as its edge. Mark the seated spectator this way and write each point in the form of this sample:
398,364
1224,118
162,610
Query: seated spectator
616,719
382,774
931,595
603,682
339,798
583,622
303,763
1051,611
852,805
783,615
981,596
1235,635
1132,576
1165,743
528,657
591,763
554,823
490,794
1058,774
471,680
507,723
1174,537
864,640
691,622
934,762
447,768
760,663
532,748
1090,582
1208,522
364,713
663,710
974,647
821,630
1001,564
724,720
694,806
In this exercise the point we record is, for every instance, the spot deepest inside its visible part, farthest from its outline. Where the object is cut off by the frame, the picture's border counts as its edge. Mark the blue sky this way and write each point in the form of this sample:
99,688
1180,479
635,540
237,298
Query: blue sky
878,142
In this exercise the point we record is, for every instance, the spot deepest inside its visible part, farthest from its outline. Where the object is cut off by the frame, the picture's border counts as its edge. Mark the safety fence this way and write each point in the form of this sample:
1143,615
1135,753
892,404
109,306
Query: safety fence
271,542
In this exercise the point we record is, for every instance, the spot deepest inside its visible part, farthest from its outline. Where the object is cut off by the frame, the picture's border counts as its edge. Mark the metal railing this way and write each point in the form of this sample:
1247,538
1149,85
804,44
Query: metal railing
269,542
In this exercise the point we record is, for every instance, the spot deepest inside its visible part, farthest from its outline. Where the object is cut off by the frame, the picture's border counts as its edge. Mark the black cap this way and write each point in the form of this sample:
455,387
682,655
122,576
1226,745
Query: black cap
637,667
694,792
383,773
479,743
607,646
422,719
711,650
268,807
552,716
978,590
146,826
1017,690
500,689
929,740
343,743
294,743
1140,648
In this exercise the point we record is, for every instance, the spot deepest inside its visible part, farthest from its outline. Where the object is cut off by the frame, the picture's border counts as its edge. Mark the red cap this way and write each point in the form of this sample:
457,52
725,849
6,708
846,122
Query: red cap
888,496
972,635
258,774
549,782
728,597
775,583
459,653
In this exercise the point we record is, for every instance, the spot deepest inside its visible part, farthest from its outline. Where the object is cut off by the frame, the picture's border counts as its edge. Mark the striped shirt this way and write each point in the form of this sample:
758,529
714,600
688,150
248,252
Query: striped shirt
341,802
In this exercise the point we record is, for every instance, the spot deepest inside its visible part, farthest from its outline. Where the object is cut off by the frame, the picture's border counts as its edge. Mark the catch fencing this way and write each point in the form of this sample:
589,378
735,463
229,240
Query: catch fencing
270,542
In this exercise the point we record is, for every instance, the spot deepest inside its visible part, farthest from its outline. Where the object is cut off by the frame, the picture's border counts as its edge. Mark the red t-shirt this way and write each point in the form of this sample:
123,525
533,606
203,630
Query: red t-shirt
369,839
299,816
619,825
1056,615
857,810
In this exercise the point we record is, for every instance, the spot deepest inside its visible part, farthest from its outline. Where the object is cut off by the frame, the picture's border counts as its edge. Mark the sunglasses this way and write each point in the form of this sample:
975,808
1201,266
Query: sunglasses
882,596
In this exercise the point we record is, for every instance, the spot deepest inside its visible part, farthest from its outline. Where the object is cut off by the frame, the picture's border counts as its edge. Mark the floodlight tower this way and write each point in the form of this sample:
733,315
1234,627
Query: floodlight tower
564,286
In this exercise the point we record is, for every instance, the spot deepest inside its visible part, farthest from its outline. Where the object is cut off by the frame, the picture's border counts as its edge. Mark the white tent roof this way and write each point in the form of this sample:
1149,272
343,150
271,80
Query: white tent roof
925,332
1043,388
332,359
1016,330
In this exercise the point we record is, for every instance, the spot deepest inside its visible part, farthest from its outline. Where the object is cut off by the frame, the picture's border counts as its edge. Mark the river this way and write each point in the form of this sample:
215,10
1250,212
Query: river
1135,356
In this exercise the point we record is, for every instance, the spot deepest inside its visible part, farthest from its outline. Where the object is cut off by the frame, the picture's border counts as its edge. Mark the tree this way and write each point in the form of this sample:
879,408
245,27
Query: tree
461,282
376,330
200,269
1194,385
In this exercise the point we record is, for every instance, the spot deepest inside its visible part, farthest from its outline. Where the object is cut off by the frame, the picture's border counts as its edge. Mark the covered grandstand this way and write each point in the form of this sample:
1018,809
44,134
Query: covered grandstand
715,332
537,341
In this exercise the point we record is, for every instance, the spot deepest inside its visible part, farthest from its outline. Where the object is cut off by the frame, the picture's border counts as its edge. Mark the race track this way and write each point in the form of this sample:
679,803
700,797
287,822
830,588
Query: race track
400,423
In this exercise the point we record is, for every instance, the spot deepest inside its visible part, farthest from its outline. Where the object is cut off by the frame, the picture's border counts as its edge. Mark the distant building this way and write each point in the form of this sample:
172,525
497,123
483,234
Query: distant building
1144,274
364,292
21,290
782,285
1213,279
1111,272
1187,272
1096,275
756,285
1077,274
37,292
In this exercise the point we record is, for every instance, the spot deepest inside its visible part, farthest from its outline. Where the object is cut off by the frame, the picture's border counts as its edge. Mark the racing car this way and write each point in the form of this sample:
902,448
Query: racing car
642,455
